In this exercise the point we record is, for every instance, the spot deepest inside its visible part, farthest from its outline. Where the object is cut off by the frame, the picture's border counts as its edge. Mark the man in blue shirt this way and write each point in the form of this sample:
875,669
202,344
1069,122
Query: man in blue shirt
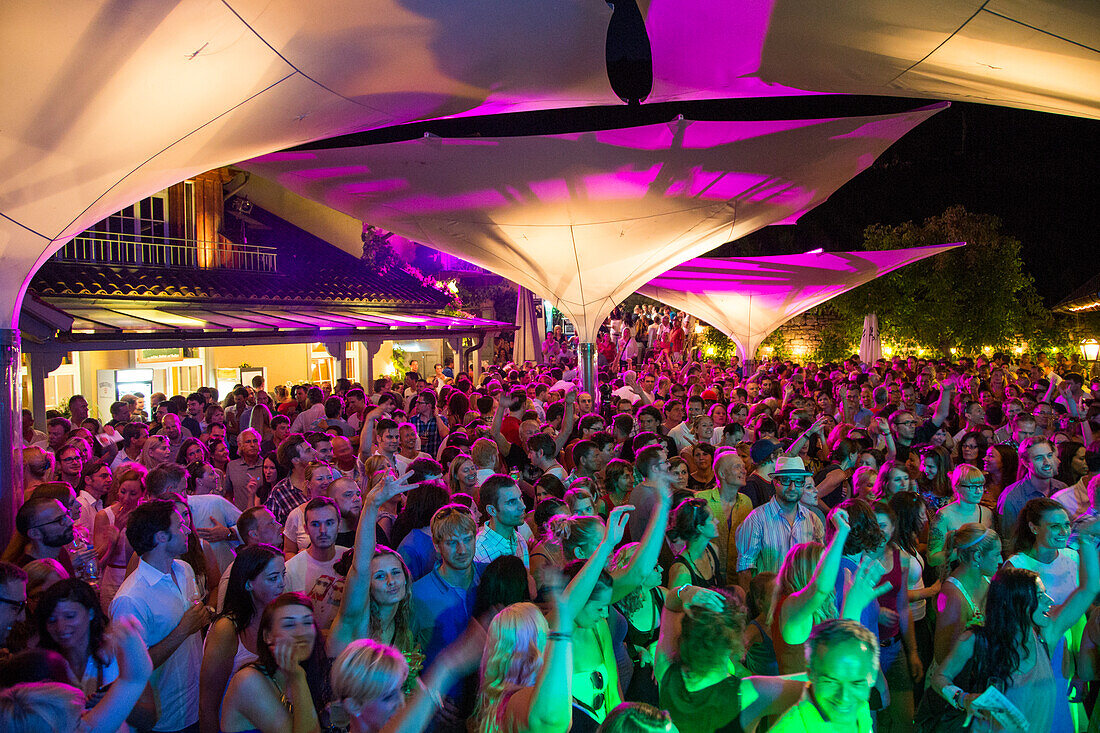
443,600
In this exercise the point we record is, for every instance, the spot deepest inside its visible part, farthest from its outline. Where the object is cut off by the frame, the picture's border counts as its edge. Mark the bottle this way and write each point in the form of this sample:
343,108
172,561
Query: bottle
84,560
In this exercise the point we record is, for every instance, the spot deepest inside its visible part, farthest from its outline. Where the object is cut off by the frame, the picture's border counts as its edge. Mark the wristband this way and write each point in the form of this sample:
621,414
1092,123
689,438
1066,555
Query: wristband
678,591
951,693
560,636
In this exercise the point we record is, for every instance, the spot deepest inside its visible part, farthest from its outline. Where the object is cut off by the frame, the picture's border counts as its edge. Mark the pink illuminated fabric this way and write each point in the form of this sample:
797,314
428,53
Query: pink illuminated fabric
106,103
747,298
585,219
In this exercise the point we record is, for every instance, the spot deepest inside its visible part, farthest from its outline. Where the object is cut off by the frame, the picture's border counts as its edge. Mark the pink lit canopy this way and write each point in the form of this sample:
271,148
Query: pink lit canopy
108,102
584,219
747,298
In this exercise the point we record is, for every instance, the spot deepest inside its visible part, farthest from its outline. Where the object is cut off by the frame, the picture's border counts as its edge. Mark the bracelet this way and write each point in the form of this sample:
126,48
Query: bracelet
678,591
951,693
560,636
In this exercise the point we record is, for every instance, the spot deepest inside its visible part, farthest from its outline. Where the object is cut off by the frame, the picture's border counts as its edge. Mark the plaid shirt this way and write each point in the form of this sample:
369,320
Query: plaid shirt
429,434
284,498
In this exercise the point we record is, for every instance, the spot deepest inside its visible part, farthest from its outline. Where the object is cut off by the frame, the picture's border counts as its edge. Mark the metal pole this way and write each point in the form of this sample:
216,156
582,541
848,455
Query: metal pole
586,362
11,439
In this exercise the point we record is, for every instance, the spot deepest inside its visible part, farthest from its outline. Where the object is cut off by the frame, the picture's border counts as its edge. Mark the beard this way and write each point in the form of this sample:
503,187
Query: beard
351,519
59,540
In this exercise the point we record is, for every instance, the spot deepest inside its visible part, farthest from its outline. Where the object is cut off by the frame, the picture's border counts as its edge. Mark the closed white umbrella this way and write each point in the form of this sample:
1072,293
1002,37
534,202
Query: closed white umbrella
528,337
870,345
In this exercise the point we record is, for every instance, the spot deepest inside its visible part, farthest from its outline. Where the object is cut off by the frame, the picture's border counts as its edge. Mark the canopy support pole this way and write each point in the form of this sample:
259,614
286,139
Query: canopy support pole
586,363
11,429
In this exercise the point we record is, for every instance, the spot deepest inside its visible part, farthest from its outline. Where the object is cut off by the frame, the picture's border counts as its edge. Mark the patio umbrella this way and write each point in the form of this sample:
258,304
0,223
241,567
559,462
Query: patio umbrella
528,336
870,343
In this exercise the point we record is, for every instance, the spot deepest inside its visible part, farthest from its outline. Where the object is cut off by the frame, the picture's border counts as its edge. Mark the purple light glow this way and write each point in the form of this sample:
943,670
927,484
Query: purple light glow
747,298
585,219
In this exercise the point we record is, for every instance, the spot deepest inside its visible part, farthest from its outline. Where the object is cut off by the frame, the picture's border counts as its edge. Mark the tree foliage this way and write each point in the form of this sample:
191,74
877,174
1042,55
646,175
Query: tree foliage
968,298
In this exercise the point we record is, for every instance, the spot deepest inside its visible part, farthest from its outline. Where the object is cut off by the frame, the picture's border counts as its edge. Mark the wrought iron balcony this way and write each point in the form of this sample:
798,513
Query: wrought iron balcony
110,248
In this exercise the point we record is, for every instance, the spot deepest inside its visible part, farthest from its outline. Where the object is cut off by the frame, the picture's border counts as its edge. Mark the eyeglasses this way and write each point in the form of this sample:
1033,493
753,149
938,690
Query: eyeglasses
905,423
55,520
597,681
17,605
973,485
786,483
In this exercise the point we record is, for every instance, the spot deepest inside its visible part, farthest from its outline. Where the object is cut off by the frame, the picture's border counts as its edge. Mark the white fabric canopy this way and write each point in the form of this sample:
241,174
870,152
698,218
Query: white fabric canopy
584,219
106,103
1034,54
747,298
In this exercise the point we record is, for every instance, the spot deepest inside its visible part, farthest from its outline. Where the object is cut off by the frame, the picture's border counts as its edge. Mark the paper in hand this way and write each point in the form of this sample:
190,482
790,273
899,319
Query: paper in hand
1001,710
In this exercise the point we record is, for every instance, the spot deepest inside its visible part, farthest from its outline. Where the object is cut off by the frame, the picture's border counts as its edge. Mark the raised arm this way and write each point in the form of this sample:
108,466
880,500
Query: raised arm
1066,615
566,432
801,440
943,405
629,578
546,706
796,618
134,670
353,619
580,589
495,429
366,435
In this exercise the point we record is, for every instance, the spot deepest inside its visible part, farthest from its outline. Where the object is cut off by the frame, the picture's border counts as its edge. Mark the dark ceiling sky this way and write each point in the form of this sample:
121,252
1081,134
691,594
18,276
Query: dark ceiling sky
1036,171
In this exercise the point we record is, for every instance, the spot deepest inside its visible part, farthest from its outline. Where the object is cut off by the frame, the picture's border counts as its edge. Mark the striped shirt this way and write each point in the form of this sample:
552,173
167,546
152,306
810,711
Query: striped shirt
765,537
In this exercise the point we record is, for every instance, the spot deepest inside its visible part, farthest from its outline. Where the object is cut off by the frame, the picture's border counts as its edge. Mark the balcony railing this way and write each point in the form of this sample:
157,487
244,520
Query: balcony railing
110,248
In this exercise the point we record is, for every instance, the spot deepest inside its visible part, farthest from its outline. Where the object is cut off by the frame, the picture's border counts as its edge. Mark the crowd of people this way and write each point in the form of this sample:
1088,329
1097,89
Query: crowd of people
904,545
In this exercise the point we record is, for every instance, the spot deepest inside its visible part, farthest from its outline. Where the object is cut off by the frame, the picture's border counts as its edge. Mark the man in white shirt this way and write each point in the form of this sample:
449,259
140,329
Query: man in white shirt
134,435
97,482
313,414
502,502
681,432
407,440
163,596
311,570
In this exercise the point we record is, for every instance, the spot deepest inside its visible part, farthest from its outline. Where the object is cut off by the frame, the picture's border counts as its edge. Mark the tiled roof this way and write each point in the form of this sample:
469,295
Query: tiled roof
310,271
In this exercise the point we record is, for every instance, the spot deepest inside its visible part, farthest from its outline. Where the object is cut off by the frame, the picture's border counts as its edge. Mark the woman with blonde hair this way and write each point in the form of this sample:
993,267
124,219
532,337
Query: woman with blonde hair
377,594
113,550
805,592
38,468
961,602
893,477
528,667
462,475
368,679
156,451
968,484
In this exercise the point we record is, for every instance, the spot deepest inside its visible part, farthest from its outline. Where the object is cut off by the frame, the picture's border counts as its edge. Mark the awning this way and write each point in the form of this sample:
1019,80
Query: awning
747,298
123,325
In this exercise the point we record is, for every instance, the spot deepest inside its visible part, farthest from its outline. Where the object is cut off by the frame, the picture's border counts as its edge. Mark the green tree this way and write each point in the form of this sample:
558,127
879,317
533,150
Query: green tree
969,297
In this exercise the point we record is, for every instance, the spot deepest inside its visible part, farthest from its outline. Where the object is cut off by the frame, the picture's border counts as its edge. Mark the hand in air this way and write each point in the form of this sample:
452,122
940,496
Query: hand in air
839,518
616,523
